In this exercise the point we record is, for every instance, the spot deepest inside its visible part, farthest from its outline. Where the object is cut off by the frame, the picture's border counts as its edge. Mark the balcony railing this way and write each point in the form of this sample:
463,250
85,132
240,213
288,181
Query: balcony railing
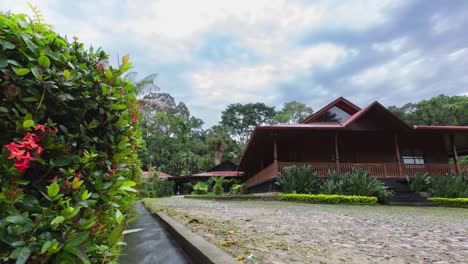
376,170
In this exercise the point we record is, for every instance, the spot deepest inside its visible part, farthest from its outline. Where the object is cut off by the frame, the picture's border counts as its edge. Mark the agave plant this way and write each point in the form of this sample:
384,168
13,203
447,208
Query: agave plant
420,183
298,179
449,186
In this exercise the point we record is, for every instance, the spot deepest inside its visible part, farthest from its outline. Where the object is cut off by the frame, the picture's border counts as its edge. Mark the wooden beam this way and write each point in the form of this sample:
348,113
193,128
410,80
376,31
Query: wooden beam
397,152
455,155
337,153
275,151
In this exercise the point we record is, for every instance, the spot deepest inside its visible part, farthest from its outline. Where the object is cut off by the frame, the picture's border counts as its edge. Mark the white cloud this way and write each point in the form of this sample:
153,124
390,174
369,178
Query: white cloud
252,83
390,46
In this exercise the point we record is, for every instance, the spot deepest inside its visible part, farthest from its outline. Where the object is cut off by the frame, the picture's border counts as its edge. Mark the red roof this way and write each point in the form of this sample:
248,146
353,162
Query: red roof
340,102
219,174
161,175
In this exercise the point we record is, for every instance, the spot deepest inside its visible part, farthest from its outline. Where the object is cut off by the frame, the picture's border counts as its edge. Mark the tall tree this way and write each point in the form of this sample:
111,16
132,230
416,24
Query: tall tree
241,119
293,112
218,139
439,110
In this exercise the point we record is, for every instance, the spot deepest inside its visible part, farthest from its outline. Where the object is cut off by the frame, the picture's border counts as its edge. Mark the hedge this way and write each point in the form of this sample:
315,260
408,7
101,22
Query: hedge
328,199
69,137
450,202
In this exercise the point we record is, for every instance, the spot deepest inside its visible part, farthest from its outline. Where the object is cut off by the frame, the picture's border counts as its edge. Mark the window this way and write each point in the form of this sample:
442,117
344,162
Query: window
413,156
335,114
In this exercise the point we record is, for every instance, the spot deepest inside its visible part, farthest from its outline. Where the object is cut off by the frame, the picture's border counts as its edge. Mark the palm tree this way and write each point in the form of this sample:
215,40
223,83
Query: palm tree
220,140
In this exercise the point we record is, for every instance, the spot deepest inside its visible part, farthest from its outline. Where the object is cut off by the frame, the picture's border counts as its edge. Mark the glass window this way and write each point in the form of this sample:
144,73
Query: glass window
413,156
335,114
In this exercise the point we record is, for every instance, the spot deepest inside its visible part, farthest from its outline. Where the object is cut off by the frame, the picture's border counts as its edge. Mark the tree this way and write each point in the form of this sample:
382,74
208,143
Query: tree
218,139
145,85
240,120
293,112
439,110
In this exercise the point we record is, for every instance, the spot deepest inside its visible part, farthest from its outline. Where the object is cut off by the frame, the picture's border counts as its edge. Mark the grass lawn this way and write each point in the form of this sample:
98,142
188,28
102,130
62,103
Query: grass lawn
282,232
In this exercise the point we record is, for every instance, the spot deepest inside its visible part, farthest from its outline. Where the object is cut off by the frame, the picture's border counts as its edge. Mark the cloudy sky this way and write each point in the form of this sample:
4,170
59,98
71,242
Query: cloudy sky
211,53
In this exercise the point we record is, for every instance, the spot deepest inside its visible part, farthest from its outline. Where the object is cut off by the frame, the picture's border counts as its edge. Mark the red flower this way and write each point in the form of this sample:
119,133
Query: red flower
21,165
78,175
14,149
40,127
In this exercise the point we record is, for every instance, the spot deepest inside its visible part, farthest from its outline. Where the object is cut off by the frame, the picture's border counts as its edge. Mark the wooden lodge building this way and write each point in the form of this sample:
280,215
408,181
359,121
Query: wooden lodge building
342,137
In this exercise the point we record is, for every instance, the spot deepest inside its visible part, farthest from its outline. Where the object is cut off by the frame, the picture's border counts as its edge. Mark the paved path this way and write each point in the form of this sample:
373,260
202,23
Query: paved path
281,232
152,244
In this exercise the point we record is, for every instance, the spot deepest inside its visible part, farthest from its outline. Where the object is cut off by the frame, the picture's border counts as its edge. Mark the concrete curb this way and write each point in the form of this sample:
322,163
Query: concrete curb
197,249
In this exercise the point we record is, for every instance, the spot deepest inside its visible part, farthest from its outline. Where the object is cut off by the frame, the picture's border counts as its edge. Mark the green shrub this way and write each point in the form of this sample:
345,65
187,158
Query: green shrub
218,188
157,188
356,182
420,183
450,202
449,186
69,138
238,189
327,198
298,179
201,187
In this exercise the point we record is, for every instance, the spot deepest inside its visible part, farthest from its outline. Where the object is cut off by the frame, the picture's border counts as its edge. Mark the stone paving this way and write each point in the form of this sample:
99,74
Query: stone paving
281,232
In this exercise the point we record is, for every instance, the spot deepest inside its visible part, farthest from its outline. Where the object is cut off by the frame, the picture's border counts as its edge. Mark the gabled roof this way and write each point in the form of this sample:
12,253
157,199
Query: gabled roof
376,105
340,102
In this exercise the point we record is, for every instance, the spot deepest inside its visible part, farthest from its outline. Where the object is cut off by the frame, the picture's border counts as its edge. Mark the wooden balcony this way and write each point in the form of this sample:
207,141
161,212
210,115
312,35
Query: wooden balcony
376,170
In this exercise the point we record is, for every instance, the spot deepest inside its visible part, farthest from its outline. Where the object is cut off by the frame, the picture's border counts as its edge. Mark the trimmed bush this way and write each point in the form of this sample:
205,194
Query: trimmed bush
450,202
328,199
69,140
298,179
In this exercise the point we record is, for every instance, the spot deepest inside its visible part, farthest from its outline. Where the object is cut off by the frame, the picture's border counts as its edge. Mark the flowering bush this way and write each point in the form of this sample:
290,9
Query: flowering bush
68,148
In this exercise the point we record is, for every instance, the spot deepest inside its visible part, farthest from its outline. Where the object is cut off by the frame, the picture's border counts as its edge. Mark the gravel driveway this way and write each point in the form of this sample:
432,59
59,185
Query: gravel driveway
282,232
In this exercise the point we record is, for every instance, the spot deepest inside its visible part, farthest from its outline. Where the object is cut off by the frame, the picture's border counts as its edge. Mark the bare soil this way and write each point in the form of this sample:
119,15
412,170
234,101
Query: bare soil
282,232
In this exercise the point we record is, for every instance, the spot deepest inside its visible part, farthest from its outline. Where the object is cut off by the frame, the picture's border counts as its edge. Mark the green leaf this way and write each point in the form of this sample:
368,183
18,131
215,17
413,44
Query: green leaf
108,74
66,74
28,123
128,189
46,247
36,73
44,61
125,67
63,160
77,251
22,71
3,61
3,109
29,99
76,240
53,190
115,235
6,44
128,183
57,220
119,217
21,255
122,144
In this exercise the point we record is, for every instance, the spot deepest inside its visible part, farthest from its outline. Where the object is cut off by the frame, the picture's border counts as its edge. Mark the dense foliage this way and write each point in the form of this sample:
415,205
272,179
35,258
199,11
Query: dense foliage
327,198
299,179
303,180
156,188
440,186
450,202
439,110
68,125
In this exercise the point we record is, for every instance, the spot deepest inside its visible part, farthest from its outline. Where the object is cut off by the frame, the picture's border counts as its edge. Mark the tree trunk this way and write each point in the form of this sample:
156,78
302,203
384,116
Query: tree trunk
218,154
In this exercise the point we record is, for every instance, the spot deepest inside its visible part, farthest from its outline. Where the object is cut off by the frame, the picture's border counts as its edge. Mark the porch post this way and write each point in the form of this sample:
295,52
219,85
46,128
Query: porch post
397,152
337,153
275,155
455,155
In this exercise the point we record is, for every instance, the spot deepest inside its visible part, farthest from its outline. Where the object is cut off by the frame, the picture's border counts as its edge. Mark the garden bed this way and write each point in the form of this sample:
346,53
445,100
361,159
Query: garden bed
281,232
